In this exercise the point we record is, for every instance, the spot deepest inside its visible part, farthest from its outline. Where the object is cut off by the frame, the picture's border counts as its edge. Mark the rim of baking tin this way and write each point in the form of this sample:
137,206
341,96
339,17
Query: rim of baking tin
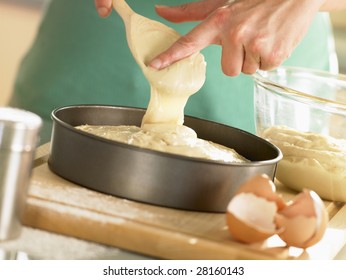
261,79
70,127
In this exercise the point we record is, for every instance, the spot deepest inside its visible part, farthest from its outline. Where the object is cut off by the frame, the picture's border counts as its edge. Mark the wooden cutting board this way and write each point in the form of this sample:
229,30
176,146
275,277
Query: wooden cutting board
57,205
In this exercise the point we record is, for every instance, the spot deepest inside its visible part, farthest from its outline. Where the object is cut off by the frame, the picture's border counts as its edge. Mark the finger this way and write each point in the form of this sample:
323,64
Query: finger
103,7
194,11
197,39
251,63
232,58
273,59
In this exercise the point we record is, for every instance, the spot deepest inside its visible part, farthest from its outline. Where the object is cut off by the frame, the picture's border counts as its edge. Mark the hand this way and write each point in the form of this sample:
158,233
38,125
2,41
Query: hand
104,7
254,34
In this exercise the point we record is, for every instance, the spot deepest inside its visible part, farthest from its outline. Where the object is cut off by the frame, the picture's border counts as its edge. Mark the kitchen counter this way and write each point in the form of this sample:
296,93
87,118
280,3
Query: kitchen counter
171,234
43,245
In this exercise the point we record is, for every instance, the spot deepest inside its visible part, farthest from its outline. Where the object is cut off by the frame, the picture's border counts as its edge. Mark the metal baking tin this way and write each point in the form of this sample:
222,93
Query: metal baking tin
151,176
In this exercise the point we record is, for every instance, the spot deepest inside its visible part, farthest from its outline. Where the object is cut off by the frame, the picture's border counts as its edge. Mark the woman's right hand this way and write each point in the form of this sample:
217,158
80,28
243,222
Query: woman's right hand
104,7
253,34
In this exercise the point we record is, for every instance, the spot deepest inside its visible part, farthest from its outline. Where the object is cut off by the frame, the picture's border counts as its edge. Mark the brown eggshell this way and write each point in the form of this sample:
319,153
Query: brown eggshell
262,186
324,219
304,221
302,204
246,223
296,230
243,232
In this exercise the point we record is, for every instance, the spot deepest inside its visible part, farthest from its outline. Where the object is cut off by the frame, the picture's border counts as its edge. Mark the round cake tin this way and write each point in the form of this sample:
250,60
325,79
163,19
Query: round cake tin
150,176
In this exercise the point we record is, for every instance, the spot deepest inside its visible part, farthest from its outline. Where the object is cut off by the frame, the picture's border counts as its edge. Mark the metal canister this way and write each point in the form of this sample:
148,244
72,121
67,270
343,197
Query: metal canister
19,132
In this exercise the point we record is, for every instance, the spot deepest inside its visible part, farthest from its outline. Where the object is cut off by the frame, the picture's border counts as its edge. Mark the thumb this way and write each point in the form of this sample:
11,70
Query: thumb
194,11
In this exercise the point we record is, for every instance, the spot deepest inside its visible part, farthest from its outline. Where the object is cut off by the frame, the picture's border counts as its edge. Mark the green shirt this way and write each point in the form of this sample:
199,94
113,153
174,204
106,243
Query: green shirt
80,58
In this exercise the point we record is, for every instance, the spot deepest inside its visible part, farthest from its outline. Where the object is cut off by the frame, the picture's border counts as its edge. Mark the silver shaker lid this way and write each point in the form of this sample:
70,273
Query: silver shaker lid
19,129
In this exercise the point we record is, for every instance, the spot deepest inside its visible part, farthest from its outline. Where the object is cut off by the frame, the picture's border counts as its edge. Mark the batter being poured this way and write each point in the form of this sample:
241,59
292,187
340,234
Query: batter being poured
162,125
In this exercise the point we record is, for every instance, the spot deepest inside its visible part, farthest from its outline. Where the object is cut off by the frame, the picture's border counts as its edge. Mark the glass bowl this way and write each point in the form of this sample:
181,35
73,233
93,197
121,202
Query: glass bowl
303,112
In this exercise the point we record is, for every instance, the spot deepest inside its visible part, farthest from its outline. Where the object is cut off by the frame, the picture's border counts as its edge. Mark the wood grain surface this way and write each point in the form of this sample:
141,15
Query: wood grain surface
57,205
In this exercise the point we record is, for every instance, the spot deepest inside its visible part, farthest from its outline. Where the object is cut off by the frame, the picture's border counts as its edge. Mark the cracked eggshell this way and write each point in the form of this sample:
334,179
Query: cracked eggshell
244,220
262,186
304,221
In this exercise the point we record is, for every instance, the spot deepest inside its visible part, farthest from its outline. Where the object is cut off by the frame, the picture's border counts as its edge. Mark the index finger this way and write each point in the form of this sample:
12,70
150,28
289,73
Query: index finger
197,39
